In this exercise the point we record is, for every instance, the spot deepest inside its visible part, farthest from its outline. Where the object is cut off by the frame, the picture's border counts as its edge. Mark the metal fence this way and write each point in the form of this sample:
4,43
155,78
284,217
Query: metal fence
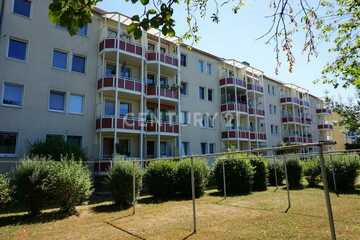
273,154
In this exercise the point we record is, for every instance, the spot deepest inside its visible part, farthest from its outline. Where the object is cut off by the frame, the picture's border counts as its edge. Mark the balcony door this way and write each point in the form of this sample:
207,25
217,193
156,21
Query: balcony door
108,148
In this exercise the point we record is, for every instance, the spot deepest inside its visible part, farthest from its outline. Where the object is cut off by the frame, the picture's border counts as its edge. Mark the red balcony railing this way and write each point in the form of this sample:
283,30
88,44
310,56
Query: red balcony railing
233,106
165,127
111,43
164,92
325,126
235,134
255,87
290,100
126,123
257,111
323,111
291,119
262,136
164,58
306,120
123,83
232,80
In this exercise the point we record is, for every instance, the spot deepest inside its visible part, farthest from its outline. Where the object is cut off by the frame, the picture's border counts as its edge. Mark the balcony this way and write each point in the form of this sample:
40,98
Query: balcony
255,87
170,93
291,119
293,100
325,126
110,44
165,127
306,120
232,107
123,84
297,139
259,112
122,123
231,134
164,58
261,136
323,111
232,81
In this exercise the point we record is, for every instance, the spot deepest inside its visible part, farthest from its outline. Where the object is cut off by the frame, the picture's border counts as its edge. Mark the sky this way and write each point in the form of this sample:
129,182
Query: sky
235,36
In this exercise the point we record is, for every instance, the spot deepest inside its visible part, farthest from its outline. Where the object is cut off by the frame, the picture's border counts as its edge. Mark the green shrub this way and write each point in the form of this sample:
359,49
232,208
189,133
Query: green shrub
120,181
346,171
238,172
5,191
69,184
295,173
260,173
56,148
312,171
183,177
29,181
159,178
280,174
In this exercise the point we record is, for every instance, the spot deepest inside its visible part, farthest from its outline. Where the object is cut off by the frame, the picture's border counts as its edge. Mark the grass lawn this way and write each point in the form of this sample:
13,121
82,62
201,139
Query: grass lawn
256,216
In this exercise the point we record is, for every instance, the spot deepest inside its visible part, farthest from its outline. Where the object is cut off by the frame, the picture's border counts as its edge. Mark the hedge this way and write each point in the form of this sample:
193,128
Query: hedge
238,172
260,166
277,166
120,182
5,191
312,171
183,177
295,173
159,178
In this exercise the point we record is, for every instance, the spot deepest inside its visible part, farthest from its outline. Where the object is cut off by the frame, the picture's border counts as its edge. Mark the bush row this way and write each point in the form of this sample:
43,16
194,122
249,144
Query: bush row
40,181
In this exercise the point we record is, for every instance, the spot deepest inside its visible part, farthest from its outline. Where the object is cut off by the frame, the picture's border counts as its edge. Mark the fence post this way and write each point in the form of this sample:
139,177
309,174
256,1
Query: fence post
275,172
326,194
224,178
287,185
334,177
193,193
134,188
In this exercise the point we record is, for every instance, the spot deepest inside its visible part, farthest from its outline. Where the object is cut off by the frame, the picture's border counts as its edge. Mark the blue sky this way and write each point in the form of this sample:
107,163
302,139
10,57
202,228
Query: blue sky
235,37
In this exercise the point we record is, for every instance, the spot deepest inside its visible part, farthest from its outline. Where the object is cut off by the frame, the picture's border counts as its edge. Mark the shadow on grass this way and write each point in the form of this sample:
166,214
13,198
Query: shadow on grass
126,231
111,207
25,219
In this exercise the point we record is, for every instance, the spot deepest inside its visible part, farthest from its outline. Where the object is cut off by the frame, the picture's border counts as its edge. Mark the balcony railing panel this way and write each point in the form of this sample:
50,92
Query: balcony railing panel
111,43
234,81
235,134
164,58
126,123
325,126
164,92
233,106
123,83
165,127
323,111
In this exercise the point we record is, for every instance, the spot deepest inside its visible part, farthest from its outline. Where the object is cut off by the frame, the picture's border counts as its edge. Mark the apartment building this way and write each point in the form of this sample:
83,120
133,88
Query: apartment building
153,97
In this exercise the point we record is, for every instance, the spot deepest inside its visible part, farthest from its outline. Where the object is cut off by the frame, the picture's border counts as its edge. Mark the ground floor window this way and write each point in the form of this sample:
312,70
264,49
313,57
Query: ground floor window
7,143
123,147
185,148
203,148
211,147
74,140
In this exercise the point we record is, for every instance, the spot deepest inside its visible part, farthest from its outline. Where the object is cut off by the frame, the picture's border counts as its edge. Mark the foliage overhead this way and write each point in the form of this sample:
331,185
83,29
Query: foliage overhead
336,21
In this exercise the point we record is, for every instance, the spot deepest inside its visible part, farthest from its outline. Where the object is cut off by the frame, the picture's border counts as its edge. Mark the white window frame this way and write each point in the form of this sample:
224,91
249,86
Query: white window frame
26,52
11,155
186,113
67,60
3,95
65,101
69,102
72,60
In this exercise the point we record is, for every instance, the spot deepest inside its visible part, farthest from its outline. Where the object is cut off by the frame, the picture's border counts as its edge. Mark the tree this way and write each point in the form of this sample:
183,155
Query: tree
337,21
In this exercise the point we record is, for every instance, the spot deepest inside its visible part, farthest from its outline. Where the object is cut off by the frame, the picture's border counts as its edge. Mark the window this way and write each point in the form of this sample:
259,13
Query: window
59,59
74,140
76,104
270,108
276,129
163,149
210,95
83,31
112,33
184,117
13,94
123,147
211,147
211,121
7,143
274,109
269,89
17,49
57,101
125,109
78,64
203,148
202,93
209,70
201,65
150,79
204,120
110,70
109,108
183,59
183,88
162,50
54,137
125,72
273,90
151,47
185,148
272,129
22,7
163,82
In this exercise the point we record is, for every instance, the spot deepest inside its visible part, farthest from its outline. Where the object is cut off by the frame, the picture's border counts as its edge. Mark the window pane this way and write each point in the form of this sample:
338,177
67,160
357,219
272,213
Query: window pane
183,88
22,7
109,108
83,31
55,137
125,108
57,101
7,143
203,148
13,94
110,70
17,49
78,64
76,104
122,147
74,140
59,59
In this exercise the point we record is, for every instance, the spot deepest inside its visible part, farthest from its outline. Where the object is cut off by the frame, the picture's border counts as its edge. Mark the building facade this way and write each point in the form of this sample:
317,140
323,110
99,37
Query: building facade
153,97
